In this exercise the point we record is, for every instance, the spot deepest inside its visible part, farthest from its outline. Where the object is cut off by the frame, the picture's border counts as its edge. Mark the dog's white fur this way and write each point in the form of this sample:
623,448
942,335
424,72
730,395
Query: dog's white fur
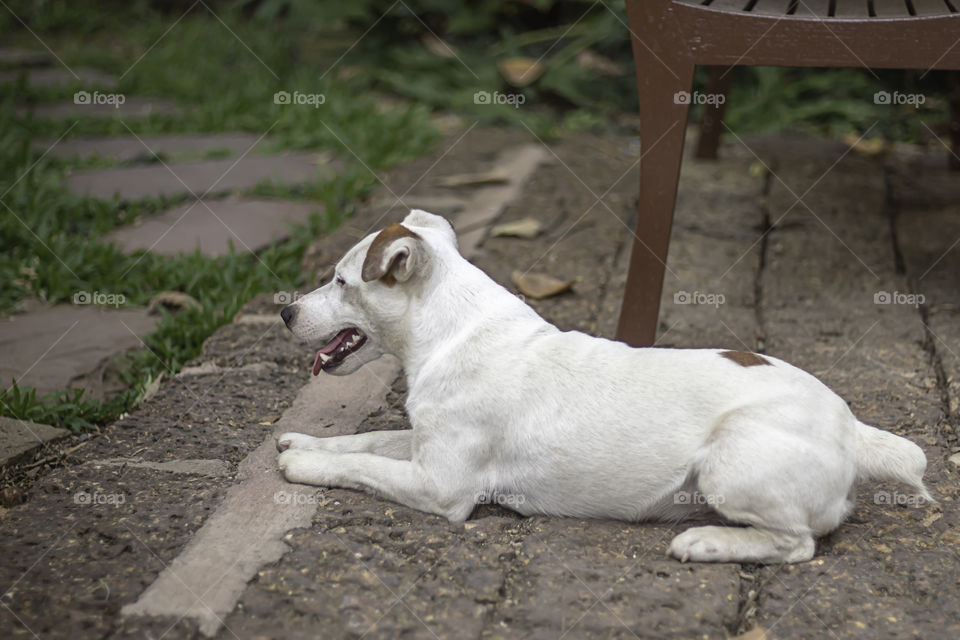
504,404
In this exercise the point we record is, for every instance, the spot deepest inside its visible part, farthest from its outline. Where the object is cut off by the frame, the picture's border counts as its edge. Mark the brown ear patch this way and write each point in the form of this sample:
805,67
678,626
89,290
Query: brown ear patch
745,358
374,259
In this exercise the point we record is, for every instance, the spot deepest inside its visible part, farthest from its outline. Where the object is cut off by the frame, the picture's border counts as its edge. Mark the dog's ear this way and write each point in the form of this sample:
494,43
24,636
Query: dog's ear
420,218
393,256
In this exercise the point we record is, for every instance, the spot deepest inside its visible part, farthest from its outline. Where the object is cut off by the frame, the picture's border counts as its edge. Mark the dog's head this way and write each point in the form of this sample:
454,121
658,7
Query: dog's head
359,315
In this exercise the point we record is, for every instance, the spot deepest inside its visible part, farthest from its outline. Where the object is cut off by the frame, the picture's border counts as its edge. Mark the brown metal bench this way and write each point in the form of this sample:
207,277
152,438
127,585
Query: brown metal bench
671,37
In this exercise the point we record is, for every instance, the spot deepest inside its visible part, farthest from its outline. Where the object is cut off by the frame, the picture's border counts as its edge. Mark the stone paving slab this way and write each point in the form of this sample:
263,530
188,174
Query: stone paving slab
68,345
11,57
132,107
61,77
583,232
836,261
598,591
128,148
709,289
201,178
716,225
19,438
211,225
928,231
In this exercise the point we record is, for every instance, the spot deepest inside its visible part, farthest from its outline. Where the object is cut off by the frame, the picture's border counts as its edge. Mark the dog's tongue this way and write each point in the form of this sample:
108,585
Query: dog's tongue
329,348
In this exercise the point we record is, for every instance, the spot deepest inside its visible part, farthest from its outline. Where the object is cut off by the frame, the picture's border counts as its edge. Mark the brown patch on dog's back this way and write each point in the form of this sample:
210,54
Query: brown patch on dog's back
371,263
745,358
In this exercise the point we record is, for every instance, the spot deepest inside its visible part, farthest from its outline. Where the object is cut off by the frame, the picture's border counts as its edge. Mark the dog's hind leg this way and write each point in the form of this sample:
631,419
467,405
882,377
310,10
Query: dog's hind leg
392,444
780,481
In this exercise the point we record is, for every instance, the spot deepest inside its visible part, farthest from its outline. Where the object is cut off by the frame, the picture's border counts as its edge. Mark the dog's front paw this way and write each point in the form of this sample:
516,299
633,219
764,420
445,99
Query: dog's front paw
304,466
298,441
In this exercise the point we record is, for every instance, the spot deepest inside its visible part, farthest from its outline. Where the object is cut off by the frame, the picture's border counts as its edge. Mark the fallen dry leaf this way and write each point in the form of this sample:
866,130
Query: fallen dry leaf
597,63
495,176
520,71
870,148
437,47
321,158
523,228
539,285
347,71
172,301
757,633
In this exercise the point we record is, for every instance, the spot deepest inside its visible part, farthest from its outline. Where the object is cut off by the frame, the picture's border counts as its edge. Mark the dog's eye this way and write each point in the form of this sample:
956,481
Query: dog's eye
340,281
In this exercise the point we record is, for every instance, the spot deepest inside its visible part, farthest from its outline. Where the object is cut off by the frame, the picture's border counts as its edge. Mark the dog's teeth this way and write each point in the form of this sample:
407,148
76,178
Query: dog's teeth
324,358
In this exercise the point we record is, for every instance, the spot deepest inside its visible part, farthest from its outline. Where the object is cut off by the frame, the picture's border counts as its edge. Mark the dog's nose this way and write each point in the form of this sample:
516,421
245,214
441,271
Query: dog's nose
288,314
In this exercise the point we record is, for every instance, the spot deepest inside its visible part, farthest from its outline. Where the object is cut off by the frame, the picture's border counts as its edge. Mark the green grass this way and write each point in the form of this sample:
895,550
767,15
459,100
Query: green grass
67,408
833,103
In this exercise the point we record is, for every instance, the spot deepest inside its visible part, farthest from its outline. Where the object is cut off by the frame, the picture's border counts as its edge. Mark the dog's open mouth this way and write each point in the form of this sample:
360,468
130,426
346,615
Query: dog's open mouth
343,344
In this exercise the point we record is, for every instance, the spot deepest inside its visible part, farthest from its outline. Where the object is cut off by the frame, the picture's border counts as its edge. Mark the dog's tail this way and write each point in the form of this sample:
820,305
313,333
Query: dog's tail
882,455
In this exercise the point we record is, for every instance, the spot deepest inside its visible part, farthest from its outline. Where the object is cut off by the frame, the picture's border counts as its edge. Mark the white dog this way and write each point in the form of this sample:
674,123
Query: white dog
504,404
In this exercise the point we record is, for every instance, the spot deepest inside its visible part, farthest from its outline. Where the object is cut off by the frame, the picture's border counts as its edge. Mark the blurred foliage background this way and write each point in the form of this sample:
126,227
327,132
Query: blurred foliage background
439,53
